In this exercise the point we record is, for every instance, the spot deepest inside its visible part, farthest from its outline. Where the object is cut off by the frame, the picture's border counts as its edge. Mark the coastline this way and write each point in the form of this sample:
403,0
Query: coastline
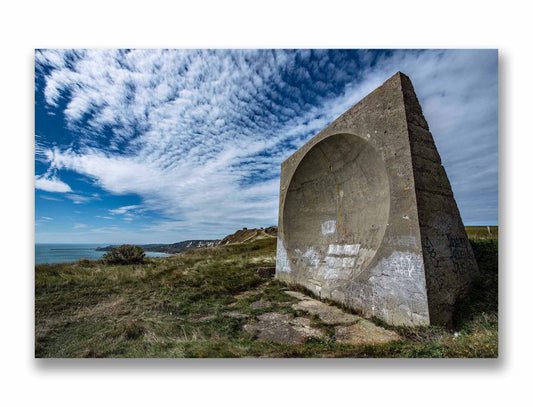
63,253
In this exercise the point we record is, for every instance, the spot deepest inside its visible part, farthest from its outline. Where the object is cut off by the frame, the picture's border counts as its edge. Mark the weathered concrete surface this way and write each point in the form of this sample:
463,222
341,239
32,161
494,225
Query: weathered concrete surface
367,215
280,328
349,329
327,313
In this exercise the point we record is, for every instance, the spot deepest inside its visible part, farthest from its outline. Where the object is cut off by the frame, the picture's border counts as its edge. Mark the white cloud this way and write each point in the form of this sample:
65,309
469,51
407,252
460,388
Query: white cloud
125,209
42,220
50,198
200,135
51,184
79,199
107,230
79,226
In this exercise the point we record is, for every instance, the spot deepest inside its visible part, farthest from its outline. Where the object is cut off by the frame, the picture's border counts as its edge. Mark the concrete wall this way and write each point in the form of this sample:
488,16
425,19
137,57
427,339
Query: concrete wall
357,219
448,258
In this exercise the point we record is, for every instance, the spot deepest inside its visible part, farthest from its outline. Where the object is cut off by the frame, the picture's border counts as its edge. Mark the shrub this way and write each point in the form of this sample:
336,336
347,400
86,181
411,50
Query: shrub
125,254
85,262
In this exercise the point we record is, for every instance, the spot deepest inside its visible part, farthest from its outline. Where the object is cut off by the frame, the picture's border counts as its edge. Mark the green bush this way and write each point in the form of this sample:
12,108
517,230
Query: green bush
125,254
84,262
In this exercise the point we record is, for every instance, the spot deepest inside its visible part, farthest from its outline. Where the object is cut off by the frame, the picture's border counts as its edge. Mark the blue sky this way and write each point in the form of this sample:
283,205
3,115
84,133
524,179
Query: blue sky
149,146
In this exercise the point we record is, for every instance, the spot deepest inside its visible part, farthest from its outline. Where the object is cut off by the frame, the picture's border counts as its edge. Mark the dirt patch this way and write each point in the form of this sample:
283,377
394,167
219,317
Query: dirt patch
364,332
247,294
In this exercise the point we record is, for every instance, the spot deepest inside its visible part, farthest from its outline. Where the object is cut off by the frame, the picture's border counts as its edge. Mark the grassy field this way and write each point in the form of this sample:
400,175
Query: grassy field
482,232
178,307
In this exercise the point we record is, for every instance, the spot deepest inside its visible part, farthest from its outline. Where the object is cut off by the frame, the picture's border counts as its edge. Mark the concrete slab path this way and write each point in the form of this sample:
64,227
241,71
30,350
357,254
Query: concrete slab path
349,328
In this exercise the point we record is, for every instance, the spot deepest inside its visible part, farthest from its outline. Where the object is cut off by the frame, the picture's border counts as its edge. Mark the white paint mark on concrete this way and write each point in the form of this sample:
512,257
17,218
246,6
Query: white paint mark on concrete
399,289
331,273
400,275
282,260
348,261
334,262
405,264
329,227
344,250
351,249
333,249
312,256
338,264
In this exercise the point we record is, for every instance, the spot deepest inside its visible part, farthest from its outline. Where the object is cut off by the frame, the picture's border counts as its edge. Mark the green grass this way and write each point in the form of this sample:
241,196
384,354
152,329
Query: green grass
482,232
173,307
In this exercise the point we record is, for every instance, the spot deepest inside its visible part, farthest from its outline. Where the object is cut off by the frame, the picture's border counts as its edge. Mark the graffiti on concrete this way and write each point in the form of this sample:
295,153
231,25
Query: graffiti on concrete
329,227
312,256
459,254
430,251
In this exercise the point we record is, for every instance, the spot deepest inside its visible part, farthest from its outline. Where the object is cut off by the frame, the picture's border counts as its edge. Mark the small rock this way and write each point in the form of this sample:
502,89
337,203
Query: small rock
266,272
260,304
303,326
234,314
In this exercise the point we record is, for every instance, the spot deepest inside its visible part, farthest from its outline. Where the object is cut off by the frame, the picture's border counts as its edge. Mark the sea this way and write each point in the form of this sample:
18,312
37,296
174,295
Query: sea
69,252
